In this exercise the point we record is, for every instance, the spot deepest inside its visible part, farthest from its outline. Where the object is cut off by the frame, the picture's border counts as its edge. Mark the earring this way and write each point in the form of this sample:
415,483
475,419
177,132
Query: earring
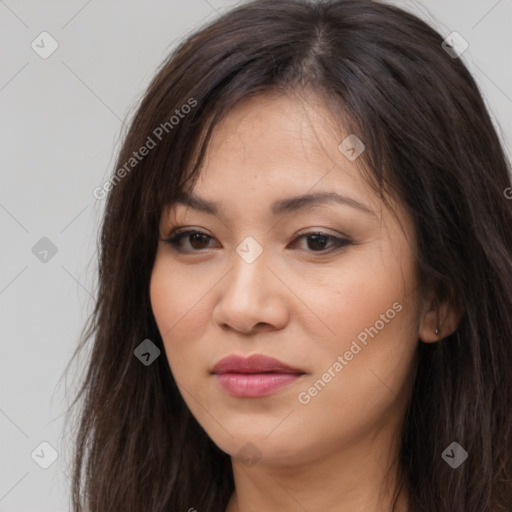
437,331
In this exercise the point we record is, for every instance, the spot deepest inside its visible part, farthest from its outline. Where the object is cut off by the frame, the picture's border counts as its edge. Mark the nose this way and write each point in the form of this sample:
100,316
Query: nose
251,298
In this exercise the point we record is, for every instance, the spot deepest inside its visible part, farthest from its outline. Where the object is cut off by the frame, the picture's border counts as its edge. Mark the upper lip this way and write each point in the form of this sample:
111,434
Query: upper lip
257,363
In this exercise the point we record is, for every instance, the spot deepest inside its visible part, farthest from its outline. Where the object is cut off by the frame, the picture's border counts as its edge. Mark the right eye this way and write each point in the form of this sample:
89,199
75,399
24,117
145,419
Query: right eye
194,240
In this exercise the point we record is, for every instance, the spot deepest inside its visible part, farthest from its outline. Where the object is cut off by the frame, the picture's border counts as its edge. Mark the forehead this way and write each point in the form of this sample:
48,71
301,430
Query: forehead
274,142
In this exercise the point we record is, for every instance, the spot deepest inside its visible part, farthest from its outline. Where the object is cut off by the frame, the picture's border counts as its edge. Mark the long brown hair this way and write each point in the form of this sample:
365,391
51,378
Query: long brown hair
429,141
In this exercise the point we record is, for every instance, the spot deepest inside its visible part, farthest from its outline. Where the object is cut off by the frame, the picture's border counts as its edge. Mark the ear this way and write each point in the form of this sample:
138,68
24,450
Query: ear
442,315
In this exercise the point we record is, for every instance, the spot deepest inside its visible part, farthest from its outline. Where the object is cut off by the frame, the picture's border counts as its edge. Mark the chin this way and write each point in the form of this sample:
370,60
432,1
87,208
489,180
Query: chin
253,447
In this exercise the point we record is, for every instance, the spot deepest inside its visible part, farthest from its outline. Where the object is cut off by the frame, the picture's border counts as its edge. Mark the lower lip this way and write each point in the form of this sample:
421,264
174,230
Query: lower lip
255,384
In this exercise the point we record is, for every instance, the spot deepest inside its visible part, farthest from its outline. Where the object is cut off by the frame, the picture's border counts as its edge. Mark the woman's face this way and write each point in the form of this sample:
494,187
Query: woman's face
342,317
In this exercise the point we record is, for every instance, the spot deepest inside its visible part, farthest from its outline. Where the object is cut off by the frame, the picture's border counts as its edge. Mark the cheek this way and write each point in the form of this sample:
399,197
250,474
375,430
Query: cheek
355,394
180,310
369,317
359,293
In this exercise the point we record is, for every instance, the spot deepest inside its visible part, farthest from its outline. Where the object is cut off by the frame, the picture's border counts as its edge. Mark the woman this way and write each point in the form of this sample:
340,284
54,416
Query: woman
305,277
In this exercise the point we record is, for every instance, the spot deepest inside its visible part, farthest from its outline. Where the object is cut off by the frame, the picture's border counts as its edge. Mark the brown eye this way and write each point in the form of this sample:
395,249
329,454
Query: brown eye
317,242
197,241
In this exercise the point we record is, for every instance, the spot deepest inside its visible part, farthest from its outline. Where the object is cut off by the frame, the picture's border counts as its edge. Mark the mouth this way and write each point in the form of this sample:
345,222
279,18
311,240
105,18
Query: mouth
255,376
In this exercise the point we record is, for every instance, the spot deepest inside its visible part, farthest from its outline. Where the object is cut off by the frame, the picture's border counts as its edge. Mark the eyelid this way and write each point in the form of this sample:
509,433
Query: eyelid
321,231
185,229
307,231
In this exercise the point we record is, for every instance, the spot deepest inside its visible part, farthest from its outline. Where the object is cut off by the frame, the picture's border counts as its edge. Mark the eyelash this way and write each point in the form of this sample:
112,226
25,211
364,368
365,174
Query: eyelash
339,243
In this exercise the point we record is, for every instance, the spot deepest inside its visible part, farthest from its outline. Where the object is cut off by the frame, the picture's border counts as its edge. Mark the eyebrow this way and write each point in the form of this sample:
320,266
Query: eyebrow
281,206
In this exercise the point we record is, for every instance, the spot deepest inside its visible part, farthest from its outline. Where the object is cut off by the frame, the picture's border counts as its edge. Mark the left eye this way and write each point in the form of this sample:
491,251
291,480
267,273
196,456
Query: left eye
197,241
316,241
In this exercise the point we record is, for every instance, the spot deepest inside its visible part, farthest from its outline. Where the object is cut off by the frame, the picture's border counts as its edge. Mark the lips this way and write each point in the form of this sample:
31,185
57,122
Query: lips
254,364
255,376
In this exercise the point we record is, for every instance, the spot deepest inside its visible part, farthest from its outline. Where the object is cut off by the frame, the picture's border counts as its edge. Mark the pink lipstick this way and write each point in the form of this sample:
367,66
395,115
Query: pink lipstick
254,376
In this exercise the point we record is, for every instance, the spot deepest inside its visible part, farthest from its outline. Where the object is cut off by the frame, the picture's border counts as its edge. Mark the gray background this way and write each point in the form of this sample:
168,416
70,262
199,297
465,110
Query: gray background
62,118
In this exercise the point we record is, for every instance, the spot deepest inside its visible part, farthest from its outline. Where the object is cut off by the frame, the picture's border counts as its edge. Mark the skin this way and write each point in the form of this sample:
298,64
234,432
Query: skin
298,305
